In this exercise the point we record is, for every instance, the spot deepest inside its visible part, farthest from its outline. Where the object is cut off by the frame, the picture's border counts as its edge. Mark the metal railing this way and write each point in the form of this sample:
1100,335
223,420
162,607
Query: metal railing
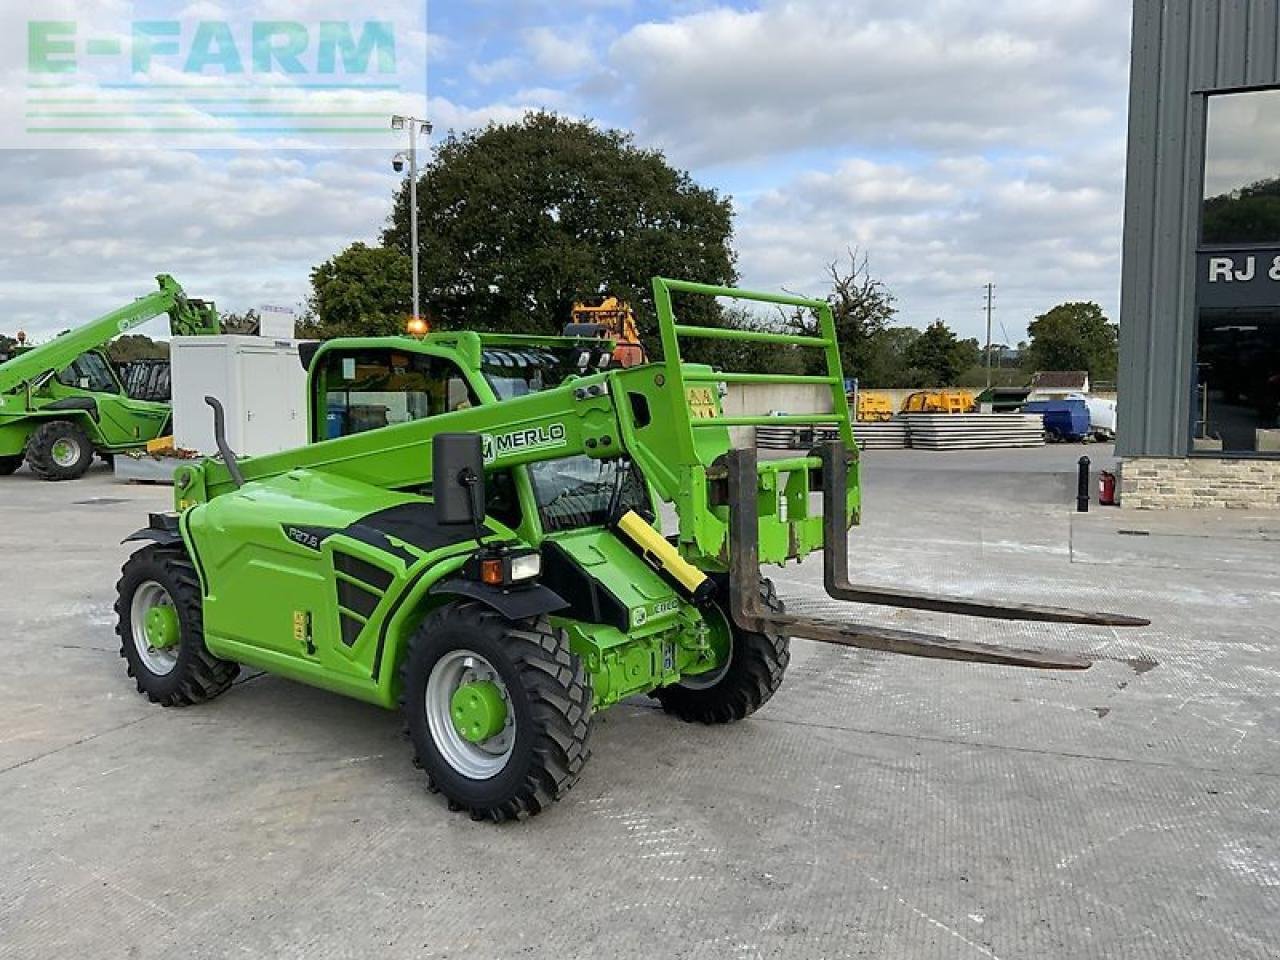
680,377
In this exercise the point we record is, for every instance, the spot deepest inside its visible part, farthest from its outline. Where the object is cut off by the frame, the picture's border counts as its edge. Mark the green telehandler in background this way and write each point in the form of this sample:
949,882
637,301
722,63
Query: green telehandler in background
63,401
470,537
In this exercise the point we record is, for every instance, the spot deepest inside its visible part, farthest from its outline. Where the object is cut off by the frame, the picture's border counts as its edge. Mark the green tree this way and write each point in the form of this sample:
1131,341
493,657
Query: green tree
861,307
1248,215
136,346
888,364
520,220
362,292
938,357
1074,336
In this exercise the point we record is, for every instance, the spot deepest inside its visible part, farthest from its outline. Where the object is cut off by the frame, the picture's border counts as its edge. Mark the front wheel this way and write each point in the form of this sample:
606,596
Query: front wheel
161,630
499,711
10,465
741,686
59,450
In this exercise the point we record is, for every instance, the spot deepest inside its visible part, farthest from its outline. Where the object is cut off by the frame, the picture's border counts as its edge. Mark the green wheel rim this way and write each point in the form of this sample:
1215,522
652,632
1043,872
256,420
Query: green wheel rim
65,452
721,640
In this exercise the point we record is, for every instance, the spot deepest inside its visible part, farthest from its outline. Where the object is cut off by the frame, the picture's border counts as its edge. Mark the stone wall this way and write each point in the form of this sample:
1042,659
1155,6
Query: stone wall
1157,483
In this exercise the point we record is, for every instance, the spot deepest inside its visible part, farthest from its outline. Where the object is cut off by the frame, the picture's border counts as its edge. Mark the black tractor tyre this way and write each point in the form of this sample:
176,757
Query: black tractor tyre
59,450
195,675
754,673
547,692
10,465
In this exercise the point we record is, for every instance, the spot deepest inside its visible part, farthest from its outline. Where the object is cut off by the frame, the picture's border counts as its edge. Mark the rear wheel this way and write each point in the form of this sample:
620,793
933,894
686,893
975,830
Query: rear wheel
59,450
161,630
499,711
9,465
754,671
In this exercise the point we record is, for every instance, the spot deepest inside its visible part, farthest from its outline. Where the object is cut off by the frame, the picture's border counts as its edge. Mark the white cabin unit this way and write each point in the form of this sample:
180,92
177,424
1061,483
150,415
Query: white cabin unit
260,383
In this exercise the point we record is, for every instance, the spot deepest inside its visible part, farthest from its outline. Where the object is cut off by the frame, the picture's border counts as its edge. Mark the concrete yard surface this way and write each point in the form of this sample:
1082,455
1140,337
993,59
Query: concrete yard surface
878,806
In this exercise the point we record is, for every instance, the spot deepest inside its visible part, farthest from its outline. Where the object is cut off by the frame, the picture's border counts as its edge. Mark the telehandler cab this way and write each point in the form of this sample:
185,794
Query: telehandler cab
470,536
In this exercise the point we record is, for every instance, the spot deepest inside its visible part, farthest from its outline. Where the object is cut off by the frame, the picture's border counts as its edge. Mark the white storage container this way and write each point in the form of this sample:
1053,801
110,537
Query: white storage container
260,382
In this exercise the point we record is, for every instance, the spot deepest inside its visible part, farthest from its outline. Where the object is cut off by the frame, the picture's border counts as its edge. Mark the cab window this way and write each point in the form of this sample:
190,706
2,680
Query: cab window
89,371
369,389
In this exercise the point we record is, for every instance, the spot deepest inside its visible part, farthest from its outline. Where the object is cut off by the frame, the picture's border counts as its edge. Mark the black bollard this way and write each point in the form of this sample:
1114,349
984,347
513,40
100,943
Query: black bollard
1082,487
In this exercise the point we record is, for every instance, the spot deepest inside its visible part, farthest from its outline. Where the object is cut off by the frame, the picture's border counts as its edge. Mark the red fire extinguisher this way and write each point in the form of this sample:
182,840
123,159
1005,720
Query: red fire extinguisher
1107,488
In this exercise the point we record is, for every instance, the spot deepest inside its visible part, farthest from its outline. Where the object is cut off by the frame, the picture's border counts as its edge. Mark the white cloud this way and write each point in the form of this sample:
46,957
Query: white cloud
557,54
88,230
937,230
722,85
955,142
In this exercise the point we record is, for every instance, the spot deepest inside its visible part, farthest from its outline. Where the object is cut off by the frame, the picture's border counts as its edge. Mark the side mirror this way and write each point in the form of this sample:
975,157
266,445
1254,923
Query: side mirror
457,479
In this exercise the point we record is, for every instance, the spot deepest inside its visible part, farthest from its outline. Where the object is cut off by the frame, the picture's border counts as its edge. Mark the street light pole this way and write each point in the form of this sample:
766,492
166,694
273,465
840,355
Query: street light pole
990,292
415,126
413,216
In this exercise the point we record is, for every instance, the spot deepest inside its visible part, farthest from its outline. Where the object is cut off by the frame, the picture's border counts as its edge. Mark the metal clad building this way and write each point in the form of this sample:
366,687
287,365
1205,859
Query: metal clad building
1200,300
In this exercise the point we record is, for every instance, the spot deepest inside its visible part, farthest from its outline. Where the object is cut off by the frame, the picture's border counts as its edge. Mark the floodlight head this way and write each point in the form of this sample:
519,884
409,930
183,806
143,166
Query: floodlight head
397,123
427,128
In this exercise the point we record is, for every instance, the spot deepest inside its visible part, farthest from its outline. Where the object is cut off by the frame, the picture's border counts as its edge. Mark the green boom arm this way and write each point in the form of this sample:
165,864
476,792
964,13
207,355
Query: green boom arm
186,318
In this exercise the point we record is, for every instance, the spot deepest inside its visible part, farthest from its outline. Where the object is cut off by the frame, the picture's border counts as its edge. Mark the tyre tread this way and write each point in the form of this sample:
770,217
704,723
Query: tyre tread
206,676
560,698
754,675
40,451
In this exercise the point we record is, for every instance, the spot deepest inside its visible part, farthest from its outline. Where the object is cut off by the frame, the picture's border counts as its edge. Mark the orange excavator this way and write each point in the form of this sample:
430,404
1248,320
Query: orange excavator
608,318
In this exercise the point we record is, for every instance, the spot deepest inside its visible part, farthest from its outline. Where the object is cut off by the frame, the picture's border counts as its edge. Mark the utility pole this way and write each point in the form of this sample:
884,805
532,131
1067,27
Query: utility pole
990,293
415,126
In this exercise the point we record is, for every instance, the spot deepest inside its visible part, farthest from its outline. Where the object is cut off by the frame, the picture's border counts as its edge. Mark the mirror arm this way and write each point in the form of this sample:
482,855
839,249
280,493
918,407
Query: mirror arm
471,481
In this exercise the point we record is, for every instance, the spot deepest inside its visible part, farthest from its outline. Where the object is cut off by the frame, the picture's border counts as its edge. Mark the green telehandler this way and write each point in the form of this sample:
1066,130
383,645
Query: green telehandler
470,537
62,402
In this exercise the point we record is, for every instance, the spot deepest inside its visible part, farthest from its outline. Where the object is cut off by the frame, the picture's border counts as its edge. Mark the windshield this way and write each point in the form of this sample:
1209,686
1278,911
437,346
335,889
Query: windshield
516,373
577,491
89,372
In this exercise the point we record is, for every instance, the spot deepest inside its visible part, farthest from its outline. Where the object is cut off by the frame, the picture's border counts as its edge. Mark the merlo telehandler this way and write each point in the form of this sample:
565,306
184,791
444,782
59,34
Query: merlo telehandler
471,537
62,402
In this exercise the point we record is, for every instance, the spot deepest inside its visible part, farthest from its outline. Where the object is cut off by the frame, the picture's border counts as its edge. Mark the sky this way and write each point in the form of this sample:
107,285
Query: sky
953,143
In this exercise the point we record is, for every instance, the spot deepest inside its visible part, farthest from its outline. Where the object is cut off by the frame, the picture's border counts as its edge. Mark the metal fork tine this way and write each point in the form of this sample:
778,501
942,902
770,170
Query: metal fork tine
749,614
835,472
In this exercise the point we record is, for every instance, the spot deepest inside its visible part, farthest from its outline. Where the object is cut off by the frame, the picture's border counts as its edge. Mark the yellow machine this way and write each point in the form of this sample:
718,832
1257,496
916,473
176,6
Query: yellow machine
609,319
874,407
940,401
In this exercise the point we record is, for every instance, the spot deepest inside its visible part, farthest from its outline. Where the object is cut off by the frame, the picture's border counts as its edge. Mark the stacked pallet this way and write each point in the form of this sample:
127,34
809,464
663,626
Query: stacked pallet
784,438
885,435
974,431
881,435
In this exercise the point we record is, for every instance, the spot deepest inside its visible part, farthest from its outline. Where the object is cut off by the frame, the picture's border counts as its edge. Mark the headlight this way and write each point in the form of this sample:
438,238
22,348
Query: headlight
526,567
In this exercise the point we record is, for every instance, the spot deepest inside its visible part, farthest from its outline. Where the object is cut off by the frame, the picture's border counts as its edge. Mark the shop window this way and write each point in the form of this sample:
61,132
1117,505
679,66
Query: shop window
1237,364
1242,169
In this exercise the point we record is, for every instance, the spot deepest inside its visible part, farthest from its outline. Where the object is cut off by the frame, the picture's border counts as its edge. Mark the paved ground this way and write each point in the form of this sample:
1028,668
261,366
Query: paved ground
878,807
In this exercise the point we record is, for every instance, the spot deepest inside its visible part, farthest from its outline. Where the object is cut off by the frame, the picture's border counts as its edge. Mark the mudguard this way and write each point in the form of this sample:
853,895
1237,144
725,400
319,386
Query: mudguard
163,529
517,603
